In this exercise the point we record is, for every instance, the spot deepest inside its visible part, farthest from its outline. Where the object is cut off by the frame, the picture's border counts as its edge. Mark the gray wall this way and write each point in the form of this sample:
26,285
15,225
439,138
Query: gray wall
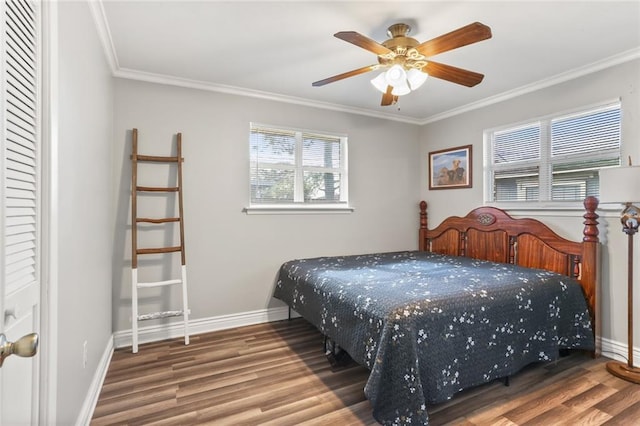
388,176
85,225
232,257
622,81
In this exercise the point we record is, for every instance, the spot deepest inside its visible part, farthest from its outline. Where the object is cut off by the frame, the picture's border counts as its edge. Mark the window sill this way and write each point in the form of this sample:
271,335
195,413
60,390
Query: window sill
307,209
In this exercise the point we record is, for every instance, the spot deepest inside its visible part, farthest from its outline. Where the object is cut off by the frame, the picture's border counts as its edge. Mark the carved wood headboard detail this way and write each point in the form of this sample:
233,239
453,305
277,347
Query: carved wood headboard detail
489,233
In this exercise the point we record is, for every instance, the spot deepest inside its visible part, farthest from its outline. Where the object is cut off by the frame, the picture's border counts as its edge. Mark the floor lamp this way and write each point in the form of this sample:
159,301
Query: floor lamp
622,185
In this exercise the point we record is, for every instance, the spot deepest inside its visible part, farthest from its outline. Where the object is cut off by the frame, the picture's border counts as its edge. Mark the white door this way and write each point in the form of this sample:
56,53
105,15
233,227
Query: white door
20,207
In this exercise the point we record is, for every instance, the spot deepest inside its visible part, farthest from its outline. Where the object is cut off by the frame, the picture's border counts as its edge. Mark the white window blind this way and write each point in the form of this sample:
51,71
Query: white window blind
19,145
297,167
556,158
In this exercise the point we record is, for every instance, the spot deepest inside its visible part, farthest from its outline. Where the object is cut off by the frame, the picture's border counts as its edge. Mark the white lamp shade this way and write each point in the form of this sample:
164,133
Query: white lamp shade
396,76
402,89
416,78
620,184
380,82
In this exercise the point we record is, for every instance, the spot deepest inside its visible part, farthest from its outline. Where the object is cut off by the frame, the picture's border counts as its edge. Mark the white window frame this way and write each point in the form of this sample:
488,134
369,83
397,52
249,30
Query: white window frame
545,162
299,206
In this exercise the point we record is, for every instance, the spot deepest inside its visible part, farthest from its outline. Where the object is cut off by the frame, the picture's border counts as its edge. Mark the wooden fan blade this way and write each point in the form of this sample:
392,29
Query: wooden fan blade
346,75
388,98
469,34
362,41
453,74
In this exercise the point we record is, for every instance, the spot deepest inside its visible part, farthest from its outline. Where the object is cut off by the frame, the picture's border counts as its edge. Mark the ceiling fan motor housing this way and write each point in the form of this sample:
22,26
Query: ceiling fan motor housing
402,49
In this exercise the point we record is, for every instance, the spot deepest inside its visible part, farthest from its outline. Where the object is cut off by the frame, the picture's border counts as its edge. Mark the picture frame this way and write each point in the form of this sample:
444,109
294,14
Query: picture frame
451,168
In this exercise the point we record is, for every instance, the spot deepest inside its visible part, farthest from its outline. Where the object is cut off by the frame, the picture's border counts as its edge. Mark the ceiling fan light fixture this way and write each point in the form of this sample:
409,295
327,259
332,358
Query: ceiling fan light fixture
396,76
416,78
380,82
400,90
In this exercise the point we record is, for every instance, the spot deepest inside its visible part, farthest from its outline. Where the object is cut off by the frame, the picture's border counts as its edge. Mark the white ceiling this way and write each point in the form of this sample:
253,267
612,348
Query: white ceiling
277,49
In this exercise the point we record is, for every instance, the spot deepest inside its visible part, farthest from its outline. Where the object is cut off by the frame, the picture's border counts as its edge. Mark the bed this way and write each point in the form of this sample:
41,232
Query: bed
484,296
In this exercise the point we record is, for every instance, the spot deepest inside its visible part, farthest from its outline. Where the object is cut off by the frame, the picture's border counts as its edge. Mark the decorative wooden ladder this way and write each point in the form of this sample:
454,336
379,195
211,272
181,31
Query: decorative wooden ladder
136,221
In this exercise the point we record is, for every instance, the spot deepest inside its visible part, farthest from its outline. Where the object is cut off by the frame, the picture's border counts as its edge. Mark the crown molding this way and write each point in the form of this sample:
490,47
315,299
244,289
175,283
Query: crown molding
98,13
130,74
611,61
102,26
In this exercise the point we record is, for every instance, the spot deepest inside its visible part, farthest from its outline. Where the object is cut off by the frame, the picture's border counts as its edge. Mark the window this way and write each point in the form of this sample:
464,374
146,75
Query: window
552,159
291,167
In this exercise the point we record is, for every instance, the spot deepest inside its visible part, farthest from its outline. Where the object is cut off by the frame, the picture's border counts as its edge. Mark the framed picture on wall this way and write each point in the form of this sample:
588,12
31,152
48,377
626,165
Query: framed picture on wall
450,168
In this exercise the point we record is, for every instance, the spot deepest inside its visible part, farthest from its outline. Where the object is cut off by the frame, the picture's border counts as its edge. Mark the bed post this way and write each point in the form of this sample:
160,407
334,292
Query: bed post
422,244
590,263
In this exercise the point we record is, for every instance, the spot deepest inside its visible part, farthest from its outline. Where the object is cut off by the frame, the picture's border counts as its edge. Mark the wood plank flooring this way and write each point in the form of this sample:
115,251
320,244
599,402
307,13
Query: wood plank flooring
277,374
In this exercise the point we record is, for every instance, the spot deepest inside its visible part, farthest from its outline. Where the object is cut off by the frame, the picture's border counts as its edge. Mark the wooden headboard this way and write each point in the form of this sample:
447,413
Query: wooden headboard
489,233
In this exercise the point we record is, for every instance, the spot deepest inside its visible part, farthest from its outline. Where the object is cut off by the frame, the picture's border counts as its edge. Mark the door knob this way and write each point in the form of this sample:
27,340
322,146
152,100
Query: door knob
26,346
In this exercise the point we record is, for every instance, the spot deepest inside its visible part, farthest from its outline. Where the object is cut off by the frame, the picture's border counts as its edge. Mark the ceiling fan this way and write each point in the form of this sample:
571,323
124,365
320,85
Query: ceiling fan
408,60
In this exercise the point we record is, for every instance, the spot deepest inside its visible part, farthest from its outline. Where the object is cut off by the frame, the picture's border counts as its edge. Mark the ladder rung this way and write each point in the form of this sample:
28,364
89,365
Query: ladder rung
159,283
158,250
157,189
156,158
158,315
163,220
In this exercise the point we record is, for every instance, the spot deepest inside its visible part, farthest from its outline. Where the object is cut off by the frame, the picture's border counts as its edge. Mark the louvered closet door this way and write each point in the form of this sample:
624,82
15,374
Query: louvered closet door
19,231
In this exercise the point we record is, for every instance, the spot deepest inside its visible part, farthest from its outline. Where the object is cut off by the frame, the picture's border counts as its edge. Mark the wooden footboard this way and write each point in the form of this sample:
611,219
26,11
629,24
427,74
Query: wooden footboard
489,233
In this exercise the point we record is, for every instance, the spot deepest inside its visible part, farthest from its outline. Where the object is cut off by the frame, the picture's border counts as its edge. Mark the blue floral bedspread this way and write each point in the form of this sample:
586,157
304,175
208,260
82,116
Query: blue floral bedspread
428,326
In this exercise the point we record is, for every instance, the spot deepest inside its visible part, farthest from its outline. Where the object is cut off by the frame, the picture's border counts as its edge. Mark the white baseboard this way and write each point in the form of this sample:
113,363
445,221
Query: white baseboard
618,351
156,333
610,348
93,393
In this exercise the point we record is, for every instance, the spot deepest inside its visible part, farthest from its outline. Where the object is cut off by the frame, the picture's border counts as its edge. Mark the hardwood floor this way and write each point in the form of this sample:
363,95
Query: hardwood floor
277,374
